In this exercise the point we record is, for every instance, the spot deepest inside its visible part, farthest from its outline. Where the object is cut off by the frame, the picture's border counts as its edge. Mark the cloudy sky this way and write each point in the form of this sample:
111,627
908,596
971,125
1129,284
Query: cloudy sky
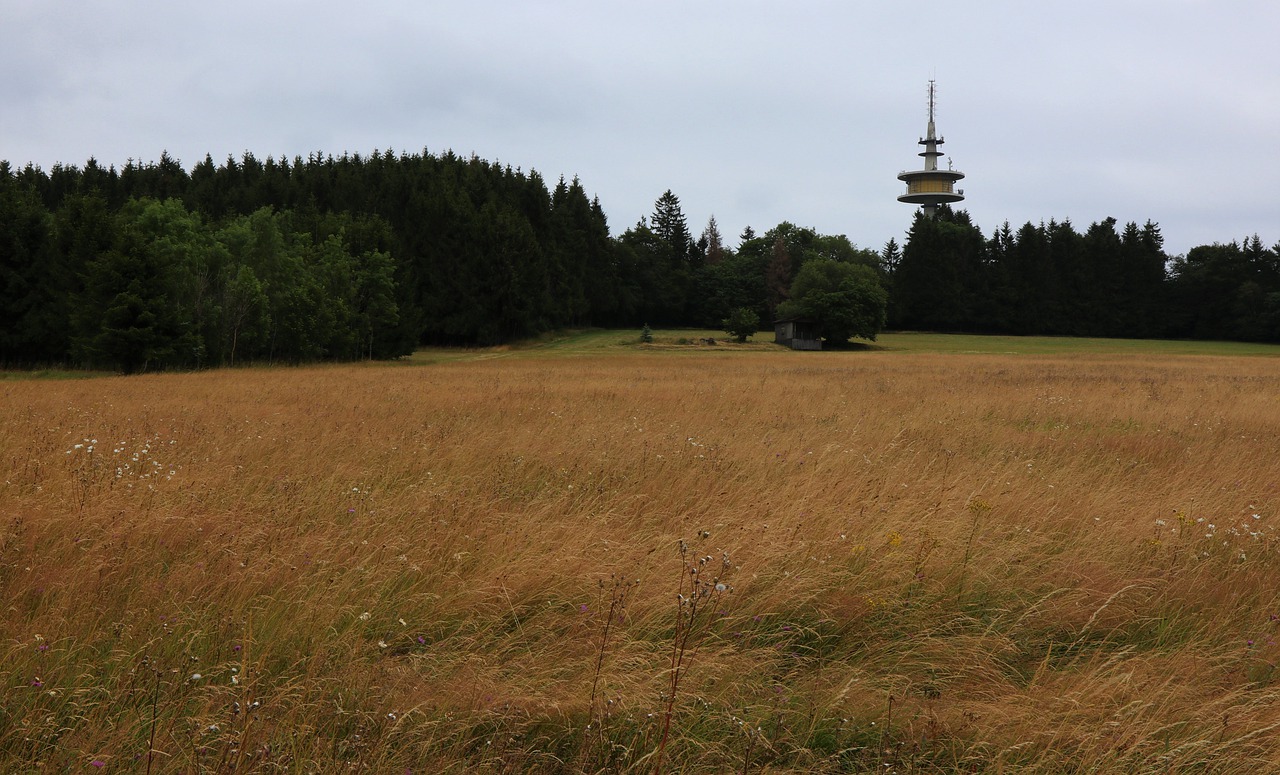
754,111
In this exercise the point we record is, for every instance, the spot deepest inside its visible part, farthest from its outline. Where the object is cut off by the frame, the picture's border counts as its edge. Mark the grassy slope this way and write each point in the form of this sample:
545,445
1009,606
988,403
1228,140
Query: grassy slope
1062,561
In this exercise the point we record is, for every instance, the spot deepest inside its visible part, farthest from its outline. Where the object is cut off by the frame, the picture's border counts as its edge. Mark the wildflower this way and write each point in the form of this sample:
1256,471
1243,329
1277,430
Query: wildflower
720,586
36,682
97,763
583,608
196,676
364,617
382,644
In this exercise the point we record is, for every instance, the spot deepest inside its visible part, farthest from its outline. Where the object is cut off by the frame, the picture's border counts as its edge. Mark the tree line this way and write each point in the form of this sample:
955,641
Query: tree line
1109,281
323,258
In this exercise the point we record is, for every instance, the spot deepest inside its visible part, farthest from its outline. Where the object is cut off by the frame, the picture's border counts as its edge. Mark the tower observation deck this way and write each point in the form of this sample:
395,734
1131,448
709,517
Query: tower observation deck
930,187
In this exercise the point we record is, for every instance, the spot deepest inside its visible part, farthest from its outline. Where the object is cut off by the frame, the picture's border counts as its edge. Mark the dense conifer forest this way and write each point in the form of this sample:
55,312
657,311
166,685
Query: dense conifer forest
322,258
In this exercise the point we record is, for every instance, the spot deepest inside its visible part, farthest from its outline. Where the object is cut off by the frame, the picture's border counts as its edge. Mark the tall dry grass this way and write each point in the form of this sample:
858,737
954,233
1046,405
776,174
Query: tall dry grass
934,564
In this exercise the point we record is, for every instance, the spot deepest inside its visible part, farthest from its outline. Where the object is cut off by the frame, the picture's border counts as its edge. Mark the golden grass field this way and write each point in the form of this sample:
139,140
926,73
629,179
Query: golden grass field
930,562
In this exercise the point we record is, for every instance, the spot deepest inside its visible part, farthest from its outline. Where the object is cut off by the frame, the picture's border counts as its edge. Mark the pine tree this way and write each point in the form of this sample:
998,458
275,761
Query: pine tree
26,237
890,256
668,225
134,312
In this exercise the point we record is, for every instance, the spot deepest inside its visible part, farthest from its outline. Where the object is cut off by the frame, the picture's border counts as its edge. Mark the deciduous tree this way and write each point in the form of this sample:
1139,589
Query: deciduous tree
844,300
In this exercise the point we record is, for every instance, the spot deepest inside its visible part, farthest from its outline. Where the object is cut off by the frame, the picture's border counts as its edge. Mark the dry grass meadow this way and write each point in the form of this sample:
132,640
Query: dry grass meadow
629,561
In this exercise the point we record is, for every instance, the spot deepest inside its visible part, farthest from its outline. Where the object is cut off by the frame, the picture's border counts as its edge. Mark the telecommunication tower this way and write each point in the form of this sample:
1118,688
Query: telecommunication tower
930,187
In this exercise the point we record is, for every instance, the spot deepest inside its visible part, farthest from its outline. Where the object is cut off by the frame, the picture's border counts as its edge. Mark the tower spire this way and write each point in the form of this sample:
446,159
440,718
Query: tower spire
930,186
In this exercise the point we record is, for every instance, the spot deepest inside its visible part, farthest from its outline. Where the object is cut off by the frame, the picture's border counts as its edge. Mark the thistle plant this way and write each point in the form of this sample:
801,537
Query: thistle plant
697,597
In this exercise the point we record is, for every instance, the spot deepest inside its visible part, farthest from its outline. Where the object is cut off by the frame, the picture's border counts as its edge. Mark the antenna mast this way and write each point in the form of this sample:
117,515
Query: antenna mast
932,104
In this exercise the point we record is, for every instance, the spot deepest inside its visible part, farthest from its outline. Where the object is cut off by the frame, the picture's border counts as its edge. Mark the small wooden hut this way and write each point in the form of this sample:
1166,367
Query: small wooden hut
797,333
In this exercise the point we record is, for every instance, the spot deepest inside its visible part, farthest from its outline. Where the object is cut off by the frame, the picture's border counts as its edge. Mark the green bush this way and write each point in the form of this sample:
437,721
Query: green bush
742,323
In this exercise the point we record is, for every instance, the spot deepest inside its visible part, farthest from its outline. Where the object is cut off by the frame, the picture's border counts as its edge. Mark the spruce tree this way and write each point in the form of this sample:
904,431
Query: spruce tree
668,225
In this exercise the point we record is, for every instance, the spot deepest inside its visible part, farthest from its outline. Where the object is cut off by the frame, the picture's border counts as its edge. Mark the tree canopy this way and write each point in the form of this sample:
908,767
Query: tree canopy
843,299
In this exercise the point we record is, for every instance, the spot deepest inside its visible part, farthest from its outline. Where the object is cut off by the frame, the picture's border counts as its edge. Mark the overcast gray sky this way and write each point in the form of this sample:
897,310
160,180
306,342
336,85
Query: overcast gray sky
756,112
